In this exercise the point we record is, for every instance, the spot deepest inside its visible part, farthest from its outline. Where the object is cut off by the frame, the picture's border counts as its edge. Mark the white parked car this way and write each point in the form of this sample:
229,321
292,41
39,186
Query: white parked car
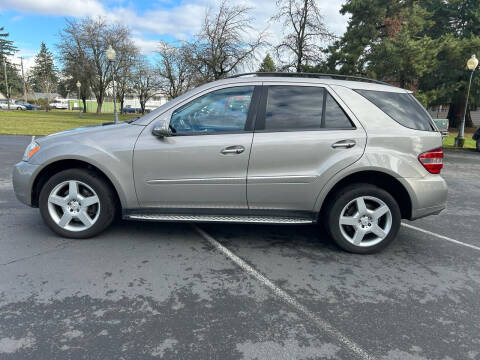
4,106
59,104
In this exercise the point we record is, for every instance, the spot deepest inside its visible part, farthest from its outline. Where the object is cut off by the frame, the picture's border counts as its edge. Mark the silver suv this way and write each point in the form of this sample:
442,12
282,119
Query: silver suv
354,156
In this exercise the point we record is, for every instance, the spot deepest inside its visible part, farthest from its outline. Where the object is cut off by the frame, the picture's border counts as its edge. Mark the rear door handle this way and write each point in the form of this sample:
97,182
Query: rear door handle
235,149
346,144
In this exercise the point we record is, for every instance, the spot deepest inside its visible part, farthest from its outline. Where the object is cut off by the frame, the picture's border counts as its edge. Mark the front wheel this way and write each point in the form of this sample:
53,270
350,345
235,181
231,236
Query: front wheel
363,218
77,203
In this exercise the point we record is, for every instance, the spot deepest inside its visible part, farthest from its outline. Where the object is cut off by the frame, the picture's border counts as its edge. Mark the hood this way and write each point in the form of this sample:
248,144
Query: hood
83,131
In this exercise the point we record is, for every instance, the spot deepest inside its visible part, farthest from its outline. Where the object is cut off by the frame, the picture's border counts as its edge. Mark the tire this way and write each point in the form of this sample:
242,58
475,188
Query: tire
365,229
65,213
19,108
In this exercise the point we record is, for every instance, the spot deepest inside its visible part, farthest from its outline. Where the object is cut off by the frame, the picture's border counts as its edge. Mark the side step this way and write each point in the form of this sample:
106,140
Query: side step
255,219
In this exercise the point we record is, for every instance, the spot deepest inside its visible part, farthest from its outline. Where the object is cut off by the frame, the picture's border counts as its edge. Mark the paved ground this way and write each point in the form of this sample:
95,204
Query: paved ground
146,290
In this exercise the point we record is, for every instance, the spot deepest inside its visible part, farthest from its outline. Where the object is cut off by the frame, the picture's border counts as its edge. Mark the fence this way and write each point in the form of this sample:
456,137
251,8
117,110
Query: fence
107,106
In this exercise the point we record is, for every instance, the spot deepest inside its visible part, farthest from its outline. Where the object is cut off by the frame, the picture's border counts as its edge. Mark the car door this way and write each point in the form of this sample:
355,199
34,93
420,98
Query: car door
203,165
303,136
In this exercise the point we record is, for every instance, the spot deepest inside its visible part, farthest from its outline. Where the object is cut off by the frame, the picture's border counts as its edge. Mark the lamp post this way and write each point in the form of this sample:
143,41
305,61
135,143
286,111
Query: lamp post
472,64
79,85
111,54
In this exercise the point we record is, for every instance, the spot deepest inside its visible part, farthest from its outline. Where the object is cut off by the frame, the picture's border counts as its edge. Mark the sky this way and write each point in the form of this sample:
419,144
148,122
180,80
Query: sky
30,22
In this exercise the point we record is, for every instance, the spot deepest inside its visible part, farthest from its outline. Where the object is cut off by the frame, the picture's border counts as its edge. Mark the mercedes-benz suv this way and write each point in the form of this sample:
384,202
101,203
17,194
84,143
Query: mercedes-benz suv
352,154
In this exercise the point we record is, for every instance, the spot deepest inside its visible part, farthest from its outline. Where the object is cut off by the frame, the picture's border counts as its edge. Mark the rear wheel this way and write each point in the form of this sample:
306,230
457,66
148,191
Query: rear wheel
363,218
77,203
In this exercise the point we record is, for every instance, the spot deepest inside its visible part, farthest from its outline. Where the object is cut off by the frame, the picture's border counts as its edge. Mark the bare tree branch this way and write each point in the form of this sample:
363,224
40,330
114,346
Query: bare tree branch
304,32
225,42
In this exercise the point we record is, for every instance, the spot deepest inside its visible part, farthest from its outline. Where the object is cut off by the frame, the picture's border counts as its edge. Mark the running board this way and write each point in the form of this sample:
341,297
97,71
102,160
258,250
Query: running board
252,219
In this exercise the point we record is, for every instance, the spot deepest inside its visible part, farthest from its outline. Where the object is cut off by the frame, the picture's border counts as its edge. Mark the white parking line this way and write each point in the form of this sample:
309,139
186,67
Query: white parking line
283,295
441,236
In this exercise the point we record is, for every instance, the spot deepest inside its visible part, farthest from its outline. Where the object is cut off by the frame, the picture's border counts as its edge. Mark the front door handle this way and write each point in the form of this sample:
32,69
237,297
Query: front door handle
235,149
347,144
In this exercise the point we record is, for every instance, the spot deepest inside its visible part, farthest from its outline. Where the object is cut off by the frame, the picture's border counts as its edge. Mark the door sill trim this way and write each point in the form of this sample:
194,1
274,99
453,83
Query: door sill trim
251,219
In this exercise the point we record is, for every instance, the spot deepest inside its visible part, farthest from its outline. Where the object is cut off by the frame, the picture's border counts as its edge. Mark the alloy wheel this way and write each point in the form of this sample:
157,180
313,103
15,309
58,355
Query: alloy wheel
73,205
365,221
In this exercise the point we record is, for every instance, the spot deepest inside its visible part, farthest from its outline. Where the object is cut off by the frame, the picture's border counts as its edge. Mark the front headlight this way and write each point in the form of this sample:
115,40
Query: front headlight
31,149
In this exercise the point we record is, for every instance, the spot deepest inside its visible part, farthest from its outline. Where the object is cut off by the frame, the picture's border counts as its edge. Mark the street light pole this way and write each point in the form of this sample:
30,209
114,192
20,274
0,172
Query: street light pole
23,81
472,64
111,54
79,84
115,115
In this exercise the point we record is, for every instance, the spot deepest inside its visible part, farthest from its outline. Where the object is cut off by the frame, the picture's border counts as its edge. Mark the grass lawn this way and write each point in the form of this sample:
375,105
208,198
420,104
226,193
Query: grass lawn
43,123
450,139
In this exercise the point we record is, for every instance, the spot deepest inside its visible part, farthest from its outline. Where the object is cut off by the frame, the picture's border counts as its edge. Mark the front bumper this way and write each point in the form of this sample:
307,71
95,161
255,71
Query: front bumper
23,176
428,195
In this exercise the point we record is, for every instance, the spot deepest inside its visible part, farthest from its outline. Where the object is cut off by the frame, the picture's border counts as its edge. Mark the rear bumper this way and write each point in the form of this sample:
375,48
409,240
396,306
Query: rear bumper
23,175
428,195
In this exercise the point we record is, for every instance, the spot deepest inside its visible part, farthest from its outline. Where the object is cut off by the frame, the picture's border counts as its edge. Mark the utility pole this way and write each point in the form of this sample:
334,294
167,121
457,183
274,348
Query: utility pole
6,81
23,80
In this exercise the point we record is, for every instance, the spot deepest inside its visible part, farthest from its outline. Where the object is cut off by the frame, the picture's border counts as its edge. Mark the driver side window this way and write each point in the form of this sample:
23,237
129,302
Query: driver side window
222,110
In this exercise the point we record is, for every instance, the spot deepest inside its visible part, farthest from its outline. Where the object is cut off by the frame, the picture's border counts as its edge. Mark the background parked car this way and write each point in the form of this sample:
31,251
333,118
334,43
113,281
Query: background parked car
4,106
27,105
131,110
59,104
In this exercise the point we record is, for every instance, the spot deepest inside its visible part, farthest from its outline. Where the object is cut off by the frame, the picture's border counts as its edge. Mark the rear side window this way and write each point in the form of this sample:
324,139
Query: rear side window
294,107
335,117
401,107
300,108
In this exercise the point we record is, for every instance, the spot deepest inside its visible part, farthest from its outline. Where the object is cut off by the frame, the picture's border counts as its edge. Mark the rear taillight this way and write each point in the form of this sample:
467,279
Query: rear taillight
432,160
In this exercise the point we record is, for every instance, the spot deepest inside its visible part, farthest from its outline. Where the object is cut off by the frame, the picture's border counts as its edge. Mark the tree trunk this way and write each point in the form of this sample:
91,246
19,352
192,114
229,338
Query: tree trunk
84,104
455,113
99,106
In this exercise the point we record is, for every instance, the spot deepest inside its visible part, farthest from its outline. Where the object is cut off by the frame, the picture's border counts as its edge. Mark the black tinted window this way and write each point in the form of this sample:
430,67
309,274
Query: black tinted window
294,107
223,110
403,108
335,117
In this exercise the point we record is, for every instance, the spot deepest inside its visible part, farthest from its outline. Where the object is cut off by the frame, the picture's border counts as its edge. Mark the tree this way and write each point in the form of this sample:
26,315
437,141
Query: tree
366,27
420,45
304,32
224,42
404,55
83,45
175,70
7,47
9,73
44,77
267,64
457,30
124,78
146,83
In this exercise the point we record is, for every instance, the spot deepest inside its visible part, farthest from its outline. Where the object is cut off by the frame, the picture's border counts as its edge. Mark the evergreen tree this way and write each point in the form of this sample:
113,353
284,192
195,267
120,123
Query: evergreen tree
267,64
420,45
7,48
44,76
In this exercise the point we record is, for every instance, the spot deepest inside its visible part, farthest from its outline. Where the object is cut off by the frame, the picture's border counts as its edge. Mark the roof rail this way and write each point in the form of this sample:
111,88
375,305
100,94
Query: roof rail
311,75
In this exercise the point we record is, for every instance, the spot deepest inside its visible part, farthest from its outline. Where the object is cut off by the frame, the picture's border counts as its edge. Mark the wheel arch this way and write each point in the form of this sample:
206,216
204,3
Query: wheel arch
375,177
64,164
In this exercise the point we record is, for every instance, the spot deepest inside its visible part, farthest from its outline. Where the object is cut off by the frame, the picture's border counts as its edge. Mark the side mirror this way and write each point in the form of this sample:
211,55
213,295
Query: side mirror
161,129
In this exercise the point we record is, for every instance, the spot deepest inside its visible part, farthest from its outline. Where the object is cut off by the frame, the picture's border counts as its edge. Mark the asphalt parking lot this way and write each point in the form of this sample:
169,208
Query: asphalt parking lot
179,291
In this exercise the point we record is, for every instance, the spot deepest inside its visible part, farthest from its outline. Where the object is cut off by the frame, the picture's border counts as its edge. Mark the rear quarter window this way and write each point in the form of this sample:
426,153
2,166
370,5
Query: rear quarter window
401,107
